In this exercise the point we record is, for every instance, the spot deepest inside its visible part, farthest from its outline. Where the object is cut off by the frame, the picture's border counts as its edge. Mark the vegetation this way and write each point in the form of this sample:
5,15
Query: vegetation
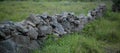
116,5
100,36
17,11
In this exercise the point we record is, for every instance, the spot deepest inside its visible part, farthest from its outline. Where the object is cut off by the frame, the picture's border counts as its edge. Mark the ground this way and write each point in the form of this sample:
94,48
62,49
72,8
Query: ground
100,36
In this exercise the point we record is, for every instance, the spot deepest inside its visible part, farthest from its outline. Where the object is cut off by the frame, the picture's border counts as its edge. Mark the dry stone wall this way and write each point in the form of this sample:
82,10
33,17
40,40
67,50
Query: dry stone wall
25,36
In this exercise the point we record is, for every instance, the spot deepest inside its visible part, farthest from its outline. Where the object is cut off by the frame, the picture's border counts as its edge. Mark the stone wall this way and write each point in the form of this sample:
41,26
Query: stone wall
27,35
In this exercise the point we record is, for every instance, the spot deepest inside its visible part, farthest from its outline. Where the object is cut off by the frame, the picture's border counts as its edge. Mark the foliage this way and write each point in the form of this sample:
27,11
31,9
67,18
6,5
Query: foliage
116,1
97,37
116,5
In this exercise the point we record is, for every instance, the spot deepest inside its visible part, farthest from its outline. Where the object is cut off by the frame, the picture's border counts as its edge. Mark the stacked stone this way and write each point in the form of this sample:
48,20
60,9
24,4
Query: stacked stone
27,35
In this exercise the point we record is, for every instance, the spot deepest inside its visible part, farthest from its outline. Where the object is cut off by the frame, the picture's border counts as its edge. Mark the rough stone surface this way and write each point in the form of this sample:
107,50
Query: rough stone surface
32,32
7,46
44,30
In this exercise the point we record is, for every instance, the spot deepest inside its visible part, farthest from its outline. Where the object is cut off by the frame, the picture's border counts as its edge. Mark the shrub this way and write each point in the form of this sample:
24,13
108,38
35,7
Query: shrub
116,5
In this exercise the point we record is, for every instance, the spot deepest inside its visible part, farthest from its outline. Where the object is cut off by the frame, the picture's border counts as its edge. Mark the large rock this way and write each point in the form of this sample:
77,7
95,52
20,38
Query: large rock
52,21
23,49
6,30
90,17
83,19
78,26
102,7
64,22
21,40
57,27
32,32
21,28
34,45
7,46
44,27
45,30
33,19
47,19
93,14
69,20
99,12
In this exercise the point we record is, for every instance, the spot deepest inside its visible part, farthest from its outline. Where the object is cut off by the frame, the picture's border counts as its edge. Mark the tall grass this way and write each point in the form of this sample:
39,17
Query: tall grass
99,36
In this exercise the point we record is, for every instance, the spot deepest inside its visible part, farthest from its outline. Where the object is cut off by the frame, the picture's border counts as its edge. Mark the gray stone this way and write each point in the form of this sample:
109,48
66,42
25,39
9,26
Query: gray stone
45,15
102,7
52,21
98,12
7,46
44,30
23,49
44,27
32,18
32,32
6,29
57,27
93,14
33,45
70,20
78,26
89,16
29,23
83,19
21,29
64,22
21,40
2,35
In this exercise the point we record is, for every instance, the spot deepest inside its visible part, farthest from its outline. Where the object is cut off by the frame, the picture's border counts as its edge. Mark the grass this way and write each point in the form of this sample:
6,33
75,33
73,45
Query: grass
17,11
100,36
72,43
